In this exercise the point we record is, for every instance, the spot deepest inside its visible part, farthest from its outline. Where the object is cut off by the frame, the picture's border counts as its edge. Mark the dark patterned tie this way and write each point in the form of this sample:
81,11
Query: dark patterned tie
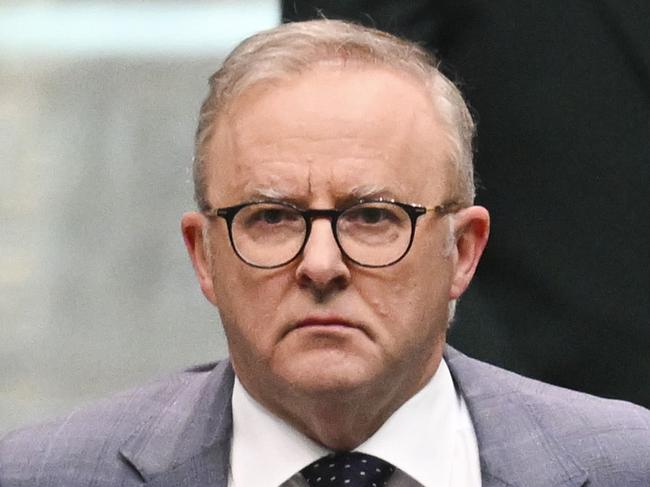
348,469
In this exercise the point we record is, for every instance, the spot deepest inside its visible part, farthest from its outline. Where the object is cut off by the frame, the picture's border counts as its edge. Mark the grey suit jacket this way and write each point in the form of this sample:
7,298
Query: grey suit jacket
176,433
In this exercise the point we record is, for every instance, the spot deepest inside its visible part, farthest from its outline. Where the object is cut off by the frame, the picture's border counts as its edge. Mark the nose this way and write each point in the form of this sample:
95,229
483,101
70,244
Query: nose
322,269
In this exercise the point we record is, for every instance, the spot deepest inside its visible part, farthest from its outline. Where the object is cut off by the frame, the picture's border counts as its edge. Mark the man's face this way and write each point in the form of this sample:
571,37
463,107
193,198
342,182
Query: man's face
322,324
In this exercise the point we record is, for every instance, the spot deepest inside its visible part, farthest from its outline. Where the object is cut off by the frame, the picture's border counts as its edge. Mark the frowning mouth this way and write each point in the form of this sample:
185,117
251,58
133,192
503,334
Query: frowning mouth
325,322
326,325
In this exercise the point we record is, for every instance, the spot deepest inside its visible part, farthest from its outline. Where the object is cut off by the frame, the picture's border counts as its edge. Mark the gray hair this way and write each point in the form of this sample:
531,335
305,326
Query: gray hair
291,49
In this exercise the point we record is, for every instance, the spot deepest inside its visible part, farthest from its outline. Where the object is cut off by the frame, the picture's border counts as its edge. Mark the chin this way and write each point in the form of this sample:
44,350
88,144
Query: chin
328,371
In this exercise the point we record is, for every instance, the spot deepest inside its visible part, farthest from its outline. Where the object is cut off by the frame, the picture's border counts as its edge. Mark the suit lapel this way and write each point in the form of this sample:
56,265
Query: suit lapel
187,441
206,469
515,451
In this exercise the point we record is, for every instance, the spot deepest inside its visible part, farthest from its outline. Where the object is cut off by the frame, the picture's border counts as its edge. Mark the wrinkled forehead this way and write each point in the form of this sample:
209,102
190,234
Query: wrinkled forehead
370,126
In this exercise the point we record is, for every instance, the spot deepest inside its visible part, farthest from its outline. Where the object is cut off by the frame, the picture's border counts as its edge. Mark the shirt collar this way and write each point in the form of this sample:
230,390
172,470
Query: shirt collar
418,438
265,449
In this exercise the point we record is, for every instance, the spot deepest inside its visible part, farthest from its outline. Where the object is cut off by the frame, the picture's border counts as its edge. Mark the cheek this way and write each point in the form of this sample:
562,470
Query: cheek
412,300
415,301
247,321
248,301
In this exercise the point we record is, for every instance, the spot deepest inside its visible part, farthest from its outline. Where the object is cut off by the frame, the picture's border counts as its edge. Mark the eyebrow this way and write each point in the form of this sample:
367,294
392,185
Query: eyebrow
366,192
356,194
269,193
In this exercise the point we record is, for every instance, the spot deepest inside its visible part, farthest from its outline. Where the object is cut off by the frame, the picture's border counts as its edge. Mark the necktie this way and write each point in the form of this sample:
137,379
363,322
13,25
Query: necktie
348,469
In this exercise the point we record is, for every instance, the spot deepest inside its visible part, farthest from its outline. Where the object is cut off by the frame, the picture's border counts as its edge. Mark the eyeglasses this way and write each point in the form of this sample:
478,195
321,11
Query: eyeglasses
375,233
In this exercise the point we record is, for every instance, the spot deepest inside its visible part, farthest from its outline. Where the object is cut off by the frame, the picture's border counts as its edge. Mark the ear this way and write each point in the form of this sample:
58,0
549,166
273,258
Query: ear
471,230
194,228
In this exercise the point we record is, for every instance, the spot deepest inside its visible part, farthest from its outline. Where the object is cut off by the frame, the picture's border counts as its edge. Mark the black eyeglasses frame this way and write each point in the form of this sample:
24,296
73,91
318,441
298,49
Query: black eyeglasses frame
414,212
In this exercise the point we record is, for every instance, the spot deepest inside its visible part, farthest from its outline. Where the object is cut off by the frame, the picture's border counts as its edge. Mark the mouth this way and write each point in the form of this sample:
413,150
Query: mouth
326,324
333,322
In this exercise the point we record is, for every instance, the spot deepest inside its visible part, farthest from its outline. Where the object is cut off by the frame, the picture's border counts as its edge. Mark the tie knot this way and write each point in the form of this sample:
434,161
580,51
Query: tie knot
348,469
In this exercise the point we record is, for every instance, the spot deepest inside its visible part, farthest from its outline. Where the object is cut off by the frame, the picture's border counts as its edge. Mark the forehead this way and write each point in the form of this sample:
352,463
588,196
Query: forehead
333,130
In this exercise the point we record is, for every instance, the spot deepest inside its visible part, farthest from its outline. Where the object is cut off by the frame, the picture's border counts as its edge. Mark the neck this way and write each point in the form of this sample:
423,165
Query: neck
342,420
339,424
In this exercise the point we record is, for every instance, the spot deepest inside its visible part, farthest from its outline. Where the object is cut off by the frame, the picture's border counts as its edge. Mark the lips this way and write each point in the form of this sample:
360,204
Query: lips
325,321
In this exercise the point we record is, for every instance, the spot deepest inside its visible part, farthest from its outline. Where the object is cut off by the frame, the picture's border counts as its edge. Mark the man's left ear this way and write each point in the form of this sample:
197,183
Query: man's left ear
471,229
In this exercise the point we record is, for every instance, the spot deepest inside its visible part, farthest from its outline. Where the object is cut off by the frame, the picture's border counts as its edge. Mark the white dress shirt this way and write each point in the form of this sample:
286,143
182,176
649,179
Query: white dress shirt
430,438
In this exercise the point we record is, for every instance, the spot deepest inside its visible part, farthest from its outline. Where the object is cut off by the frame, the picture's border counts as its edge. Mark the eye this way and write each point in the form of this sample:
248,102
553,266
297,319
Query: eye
268,216
371,215
272,215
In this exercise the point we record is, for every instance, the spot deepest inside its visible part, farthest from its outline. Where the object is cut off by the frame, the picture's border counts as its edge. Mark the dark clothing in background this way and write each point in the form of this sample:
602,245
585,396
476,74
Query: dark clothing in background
562,95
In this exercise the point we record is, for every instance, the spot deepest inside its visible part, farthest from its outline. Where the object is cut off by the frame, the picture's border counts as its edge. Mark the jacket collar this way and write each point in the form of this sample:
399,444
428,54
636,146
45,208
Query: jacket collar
186,442
515,449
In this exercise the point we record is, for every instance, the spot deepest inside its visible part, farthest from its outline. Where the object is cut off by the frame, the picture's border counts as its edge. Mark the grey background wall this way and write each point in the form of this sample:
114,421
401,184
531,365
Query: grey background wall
96,127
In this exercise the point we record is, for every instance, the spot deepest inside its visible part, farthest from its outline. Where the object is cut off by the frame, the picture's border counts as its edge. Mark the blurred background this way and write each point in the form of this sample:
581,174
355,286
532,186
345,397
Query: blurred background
98,106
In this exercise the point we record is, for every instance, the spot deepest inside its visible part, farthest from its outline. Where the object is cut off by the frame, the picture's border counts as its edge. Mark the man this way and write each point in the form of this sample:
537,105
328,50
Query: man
336,231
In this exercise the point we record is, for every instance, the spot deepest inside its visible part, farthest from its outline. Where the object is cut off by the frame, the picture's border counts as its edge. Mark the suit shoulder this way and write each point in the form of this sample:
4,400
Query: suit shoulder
83,446
605,437
595,414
